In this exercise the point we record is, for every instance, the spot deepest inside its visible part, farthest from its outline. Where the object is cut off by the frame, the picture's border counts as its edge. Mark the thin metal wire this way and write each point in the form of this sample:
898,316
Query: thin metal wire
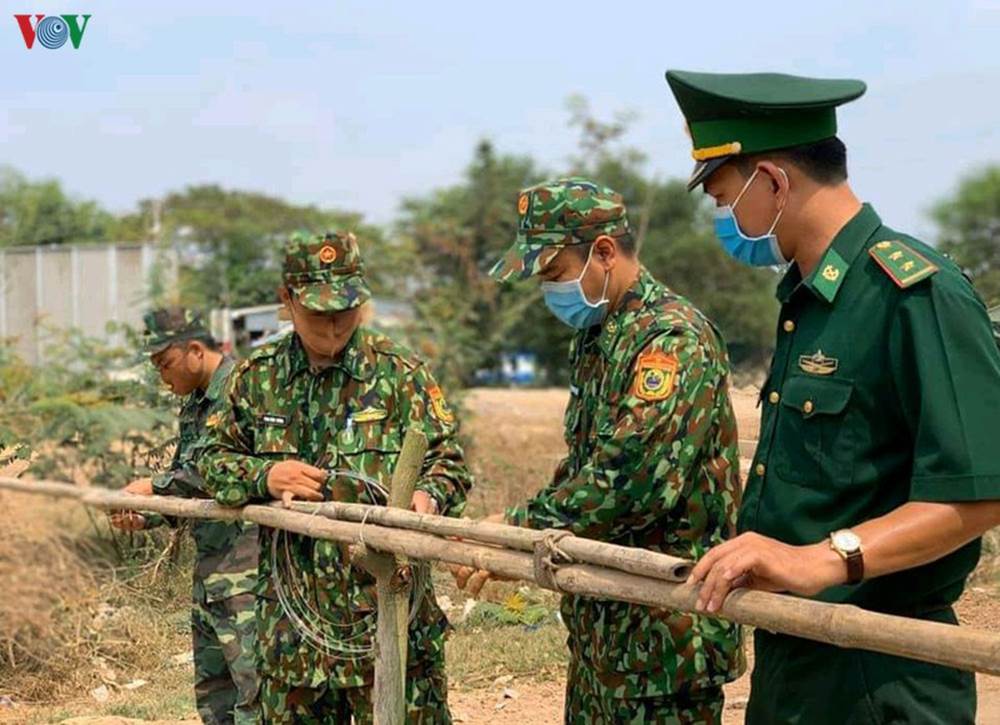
296,591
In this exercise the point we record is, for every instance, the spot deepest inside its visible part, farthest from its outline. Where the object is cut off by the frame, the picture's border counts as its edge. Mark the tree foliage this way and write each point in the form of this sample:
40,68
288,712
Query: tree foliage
231,239
40,212
83,417
455,234
969,223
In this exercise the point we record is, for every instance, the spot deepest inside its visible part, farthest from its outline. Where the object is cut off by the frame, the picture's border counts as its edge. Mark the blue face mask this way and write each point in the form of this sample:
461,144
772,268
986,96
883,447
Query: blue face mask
569,303
762,251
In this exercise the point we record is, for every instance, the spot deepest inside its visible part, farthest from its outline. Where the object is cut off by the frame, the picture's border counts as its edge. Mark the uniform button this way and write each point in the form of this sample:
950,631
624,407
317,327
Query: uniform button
807,407
774,397
789,326
759,470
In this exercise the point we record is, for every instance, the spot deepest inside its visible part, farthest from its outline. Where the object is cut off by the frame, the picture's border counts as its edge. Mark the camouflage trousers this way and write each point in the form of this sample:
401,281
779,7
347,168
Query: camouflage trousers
426,700
225,668
589,702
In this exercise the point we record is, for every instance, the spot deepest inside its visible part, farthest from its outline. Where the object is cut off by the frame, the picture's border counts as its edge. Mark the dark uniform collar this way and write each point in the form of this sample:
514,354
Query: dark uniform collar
644,290
825,280
218,382
355,359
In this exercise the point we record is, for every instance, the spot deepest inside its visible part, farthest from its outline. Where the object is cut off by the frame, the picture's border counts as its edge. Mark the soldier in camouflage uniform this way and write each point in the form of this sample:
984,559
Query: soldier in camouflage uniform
653,460
332,397
225,573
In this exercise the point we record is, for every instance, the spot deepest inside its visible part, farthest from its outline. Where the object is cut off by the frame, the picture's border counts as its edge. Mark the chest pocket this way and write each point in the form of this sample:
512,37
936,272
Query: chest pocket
814,442
369,449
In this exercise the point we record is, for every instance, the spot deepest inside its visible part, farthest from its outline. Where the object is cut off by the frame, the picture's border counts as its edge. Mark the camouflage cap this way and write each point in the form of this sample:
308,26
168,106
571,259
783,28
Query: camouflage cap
325,271
556,214
169,325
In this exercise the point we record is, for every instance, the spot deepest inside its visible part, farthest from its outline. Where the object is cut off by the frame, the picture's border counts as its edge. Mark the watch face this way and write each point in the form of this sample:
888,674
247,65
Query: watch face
846,541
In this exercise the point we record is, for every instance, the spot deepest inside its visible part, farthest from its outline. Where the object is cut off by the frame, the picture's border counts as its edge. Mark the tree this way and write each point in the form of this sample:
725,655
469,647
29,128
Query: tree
673,230
40,212
453,236
232,240
969,223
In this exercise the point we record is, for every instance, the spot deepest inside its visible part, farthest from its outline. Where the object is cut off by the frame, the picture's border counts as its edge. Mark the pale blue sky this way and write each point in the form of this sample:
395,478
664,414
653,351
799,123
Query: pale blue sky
355,105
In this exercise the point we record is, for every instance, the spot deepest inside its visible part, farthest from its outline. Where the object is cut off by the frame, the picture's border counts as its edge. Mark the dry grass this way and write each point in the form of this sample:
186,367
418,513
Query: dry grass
69,620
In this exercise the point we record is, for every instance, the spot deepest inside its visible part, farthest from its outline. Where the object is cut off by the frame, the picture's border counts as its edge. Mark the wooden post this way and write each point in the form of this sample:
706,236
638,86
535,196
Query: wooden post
393,584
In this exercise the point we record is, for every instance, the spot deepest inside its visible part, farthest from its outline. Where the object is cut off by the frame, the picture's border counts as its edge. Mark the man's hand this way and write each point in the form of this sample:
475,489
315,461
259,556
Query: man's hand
140,487
424,503
128,521
757,562
294,479
470,579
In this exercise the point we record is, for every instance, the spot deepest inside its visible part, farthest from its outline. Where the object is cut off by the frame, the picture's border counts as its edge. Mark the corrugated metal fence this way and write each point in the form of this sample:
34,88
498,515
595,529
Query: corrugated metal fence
79,286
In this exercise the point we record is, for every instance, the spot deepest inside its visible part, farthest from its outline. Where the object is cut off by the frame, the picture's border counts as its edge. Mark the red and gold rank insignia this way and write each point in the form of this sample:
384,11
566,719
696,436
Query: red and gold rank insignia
438,406
655,375
522,204
327,255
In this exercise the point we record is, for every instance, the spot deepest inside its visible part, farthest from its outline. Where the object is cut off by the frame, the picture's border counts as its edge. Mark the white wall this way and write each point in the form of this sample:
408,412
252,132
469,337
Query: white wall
74,286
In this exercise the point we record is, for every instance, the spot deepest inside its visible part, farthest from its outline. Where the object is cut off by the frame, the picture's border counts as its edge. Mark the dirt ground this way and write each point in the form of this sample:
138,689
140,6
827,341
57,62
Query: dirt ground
513,439
528,424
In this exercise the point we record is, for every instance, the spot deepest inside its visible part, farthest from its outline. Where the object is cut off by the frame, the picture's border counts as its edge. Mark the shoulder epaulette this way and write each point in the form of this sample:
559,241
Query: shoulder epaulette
387,346
904,265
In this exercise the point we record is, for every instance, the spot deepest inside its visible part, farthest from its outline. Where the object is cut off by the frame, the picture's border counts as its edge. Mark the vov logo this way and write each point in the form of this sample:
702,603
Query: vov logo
52,31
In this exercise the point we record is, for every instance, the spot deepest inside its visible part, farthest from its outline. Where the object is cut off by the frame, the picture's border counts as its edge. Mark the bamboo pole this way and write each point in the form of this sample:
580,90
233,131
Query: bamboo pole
838,624
623,558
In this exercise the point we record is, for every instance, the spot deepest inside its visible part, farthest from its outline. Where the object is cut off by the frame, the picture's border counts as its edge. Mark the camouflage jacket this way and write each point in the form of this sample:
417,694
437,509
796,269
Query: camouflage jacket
348,417
653,463
226,563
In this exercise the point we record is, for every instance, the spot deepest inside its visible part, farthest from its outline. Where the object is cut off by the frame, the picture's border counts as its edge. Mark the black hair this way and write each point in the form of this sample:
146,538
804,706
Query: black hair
625,242
825,162
207,340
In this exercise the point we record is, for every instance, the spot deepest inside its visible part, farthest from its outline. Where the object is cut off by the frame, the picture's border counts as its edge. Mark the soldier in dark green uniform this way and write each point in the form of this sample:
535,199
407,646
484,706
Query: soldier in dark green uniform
652,463
321,414
877,468
225,574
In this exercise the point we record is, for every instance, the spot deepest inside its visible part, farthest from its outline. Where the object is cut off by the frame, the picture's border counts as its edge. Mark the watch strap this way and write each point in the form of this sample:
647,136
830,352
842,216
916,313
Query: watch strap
855,567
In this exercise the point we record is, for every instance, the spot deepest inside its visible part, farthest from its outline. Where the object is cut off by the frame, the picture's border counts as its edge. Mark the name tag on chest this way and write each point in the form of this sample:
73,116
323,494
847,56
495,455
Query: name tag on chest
278,421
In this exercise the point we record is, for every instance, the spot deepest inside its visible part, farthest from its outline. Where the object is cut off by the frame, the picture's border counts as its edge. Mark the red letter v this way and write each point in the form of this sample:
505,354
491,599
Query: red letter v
24,23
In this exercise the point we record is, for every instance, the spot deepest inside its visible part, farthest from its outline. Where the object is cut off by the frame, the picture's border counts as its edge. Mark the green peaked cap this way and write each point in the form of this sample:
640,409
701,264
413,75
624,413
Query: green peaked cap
744,113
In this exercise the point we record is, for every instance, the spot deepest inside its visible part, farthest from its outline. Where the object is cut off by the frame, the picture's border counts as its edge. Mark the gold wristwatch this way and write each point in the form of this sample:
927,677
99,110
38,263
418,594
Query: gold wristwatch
848,544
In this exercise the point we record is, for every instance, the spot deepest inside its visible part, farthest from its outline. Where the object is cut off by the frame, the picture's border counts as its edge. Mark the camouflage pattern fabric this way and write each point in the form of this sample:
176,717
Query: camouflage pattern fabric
426,700
326,271
556,214
589,703
225,574
349,416
169,325
653,463
226,561
224,634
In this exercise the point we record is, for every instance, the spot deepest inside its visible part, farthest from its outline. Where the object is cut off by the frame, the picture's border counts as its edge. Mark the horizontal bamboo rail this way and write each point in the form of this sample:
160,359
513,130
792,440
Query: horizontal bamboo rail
838,624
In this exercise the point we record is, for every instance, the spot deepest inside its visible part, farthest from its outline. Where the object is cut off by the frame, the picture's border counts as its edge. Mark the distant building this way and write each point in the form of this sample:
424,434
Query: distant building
248,327
516,368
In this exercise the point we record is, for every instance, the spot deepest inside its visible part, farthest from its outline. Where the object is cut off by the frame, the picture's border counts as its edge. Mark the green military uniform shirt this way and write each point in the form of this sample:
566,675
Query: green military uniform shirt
884,389
653,463
226,563
351,416
878,394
